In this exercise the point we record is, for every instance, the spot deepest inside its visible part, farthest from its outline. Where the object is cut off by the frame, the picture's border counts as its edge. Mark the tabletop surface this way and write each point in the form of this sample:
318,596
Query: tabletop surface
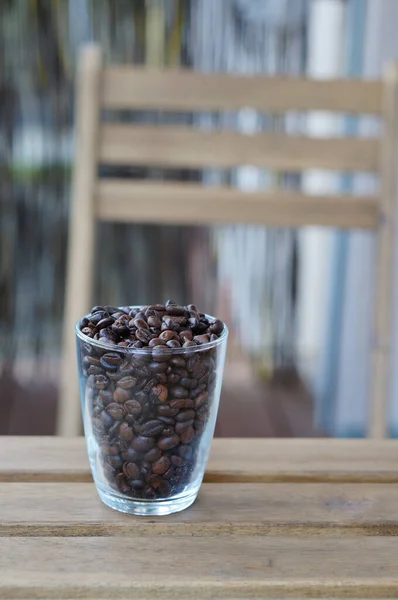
274,519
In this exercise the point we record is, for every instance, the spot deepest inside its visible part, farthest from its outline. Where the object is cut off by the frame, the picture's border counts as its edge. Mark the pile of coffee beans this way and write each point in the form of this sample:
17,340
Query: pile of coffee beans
150,386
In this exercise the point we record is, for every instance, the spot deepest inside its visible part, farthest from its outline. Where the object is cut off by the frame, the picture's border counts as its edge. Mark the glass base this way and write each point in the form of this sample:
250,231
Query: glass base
148,508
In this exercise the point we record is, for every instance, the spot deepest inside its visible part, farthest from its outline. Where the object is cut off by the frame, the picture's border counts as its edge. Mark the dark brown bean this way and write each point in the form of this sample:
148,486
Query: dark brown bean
188,383
120,395
142,443
185,452
157,367
185,415
167,420
161,465
161,353
201,399
160,392
177,391
115,411
154,322
168,431
167,335
93,370
104,323
156,342
115,461
152,427
152,454
101,382
183,426
133,407
173,344
131,455
178,362
173,377
126,431
143,335
182,403
167,411
140,323
106,419
166,443
177,461
187,435
131,470
127,382
217,327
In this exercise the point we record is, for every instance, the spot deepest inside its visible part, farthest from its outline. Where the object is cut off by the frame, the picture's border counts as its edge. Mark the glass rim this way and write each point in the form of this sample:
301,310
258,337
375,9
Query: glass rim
148,351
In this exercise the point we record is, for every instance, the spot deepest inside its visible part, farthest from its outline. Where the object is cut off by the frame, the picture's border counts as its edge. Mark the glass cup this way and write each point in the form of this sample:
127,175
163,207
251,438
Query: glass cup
149,419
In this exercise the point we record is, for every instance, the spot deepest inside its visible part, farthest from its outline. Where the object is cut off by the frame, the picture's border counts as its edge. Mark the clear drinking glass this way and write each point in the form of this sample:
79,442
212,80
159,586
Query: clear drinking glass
149,421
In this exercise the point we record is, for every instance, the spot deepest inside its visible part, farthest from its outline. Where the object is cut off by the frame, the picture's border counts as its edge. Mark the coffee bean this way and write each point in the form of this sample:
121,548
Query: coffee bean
185,415
167,420
131,470
106,419
188,383
217,327
156,342
140,323
120,395
187,435
178,362
154,322
115,411
104,323
167,335
157,367
121,483
161,465
161,353
177,391
101,382
198,390
183,426
160,392
185,452
127,382
131,455
151,428
126,431
115,461
173,309
142,443
182,403
201,399
152,454
166,443
168,431
93,370
174,377
177,461
143,335
133,407
167,411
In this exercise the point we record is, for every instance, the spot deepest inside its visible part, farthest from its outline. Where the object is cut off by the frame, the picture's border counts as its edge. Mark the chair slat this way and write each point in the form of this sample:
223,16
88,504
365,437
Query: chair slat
164,202
128,88
188,147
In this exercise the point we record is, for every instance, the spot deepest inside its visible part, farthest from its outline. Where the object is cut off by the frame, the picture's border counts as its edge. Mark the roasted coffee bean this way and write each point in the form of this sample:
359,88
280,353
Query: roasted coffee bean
160,392
173,377
202,339
175,310
121,483
143,335
185,415
161,353
131,455
154,322
152,454
106,419
133,407
167,335
188,383
182,403
137,484
127,382
178,362
185,452
115,461
167,420
151,428
140,323
166,443
161,465
183,426
189,344
167,411
101,381
201,414
142,443
168,431
157,367
159,484
156,342
93,370
201,399
177,461
126,431
115,411
120,395
104,323
173,344
217,327
131,470
187,435
112,450
177,391
198,390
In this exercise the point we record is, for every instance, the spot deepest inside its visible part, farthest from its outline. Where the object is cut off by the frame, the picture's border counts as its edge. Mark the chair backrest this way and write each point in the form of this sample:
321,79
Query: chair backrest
99,142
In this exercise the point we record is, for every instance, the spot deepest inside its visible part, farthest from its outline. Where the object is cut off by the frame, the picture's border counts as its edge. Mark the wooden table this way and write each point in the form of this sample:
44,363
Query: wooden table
275,518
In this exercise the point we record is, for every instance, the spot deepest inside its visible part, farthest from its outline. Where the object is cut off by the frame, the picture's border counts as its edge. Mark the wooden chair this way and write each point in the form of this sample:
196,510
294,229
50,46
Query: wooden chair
100,87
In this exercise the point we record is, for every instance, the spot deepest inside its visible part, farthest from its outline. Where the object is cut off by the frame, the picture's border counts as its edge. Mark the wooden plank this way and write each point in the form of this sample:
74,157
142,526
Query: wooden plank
173,146
183,203
198,567
278,509
383,289
80,261
178,90
231,460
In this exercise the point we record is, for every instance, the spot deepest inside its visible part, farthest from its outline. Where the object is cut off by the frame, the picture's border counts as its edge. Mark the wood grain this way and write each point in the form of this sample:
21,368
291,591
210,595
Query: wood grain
287,509
197,567
178,90
176,146
231,460
183,203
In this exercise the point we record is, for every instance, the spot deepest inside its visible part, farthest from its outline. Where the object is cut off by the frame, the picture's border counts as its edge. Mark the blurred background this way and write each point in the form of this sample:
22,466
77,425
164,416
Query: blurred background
299,302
